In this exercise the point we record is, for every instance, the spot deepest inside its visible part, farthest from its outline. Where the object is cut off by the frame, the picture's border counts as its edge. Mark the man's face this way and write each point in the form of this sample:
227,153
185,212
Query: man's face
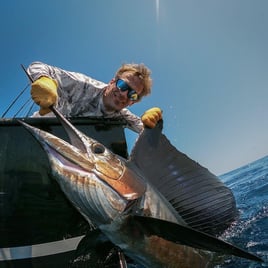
116,99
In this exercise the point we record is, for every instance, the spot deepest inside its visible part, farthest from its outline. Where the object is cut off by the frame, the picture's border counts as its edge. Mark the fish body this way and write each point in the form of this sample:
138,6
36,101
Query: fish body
88,185
116,196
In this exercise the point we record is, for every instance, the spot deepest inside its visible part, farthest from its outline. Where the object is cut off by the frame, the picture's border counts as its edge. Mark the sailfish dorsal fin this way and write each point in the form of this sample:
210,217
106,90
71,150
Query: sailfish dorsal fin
199,196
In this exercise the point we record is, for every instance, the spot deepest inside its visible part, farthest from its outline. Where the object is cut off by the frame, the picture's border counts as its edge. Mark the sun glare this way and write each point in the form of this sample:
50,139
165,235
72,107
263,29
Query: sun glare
157,9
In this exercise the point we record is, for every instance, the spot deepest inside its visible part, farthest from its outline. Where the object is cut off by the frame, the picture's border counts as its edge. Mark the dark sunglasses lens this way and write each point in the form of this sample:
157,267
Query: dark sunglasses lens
122,85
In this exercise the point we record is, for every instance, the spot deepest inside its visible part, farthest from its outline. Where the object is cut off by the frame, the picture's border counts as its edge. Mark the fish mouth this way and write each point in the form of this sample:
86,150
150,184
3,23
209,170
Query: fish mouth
60,148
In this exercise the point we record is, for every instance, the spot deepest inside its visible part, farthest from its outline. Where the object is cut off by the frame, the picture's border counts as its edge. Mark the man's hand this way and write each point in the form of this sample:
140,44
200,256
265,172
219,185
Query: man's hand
151,117
44,93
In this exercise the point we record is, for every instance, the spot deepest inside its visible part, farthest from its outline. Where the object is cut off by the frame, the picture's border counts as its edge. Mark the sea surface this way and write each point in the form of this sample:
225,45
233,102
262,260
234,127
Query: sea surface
250,187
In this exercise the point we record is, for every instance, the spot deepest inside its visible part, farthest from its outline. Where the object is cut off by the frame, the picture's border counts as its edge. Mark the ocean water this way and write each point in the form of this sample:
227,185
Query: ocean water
250,187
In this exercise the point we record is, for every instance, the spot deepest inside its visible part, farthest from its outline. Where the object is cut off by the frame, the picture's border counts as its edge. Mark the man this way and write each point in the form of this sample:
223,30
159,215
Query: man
75,94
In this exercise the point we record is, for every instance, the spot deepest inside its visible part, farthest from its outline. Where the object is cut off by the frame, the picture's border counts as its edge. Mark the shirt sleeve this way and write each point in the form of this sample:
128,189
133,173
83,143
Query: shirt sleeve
75,90
38,69
133,121
65,79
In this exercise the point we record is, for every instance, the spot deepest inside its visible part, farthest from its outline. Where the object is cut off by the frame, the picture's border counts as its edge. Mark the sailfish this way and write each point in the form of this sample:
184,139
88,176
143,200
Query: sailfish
159,207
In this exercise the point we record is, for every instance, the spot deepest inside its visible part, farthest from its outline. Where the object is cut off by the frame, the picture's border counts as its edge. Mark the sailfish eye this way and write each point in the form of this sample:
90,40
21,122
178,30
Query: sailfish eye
98,148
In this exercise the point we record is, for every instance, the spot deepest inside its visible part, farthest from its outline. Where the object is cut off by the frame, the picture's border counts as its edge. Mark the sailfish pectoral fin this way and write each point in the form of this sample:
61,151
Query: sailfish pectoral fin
189,237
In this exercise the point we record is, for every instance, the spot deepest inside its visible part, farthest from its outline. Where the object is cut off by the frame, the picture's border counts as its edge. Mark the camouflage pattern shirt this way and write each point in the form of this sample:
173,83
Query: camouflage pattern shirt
81,95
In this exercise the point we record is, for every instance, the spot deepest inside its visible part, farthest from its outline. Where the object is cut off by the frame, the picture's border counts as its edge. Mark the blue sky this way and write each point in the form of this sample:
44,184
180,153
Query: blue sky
209,62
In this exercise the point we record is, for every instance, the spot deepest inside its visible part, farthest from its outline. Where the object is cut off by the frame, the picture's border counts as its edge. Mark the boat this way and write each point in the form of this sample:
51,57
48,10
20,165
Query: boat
38,225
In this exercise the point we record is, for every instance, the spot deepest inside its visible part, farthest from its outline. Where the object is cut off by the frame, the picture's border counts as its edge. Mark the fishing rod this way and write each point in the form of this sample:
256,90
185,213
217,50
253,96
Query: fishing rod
19,95
24,69
13,102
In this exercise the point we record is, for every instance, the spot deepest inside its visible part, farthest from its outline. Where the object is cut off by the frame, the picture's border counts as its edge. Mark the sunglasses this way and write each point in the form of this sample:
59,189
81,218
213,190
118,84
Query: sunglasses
123,86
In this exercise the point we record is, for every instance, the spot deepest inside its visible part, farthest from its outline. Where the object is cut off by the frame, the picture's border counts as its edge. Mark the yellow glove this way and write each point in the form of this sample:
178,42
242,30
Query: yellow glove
44,93
151,117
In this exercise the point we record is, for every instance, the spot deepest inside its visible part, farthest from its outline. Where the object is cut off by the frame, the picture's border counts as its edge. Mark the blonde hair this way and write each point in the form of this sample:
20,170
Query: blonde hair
140,70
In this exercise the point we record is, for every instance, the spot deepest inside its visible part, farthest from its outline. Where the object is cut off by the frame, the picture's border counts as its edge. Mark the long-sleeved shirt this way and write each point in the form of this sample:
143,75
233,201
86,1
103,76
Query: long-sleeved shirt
81,95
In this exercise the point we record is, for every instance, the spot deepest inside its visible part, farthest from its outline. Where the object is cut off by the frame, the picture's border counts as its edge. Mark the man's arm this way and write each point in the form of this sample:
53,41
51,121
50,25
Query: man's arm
72,87
149,119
